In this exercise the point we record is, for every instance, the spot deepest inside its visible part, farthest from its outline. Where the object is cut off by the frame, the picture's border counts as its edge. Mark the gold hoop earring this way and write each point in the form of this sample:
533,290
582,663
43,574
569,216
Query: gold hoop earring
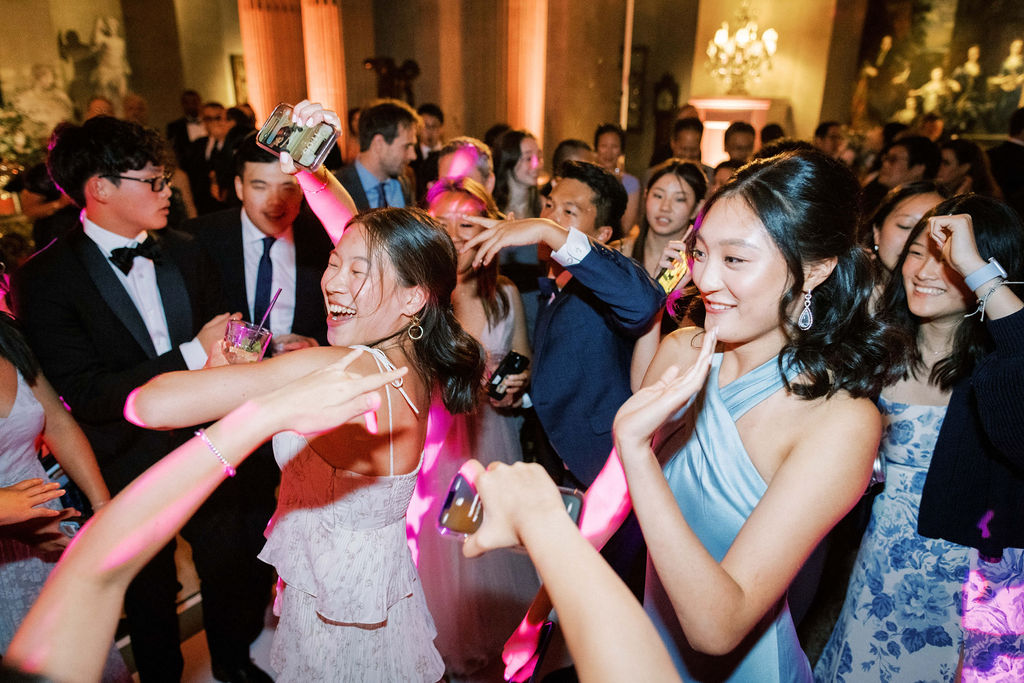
415,330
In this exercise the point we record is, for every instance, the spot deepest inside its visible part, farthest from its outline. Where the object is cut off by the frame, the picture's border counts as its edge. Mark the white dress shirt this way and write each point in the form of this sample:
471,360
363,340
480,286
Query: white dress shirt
141,285
282,257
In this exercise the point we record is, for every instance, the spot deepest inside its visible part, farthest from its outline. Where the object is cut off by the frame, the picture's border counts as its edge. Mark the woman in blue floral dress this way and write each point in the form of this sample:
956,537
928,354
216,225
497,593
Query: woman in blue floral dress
913,611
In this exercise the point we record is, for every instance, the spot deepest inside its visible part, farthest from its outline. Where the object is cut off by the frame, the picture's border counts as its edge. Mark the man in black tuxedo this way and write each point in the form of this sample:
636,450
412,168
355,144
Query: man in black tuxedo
105,308
181,132
209,161
273,242
387,143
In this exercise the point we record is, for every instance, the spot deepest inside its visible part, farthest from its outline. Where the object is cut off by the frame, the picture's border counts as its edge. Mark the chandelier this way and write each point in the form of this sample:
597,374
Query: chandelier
739,58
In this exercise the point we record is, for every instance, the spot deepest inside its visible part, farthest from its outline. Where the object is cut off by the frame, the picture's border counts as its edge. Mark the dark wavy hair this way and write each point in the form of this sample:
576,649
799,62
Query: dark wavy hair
102,146
807,202
892,199
686,172
999,233
495,300
423,255
507,150
15,349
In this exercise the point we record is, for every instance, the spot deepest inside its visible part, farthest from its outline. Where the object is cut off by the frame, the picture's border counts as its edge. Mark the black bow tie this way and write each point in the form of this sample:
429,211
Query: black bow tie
124,257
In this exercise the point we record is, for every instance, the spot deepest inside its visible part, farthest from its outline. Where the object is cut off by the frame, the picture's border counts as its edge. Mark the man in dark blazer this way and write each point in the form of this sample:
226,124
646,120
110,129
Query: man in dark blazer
182,131
297,250
595,306
387,143
107,307
209,161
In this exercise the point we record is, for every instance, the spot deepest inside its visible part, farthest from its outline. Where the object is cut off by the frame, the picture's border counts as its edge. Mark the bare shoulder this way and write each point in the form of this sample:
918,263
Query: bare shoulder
680,348
842,430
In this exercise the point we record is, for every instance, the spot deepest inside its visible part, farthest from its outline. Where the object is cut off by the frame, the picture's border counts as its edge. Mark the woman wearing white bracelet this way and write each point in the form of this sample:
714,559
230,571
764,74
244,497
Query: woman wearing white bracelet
956,416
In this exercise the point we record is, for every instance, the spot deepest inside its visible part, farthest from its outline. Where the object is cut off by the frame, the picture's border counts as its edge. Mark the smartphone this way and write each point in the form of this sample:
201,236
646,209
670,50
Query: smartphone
669,278
512,364
308,146
463,512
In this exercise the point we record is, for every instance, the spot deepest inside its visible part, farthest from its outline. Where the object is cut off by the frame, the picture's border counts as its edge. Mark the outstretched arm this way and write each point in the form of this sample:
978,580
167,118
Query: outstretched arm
67,633
330,201
608,633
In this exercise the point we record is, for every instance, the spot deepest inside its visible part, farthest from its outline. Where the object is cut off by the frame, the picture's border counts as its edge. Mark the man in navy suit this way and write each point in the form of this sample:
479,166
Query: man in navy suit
387,143
107,307
593,308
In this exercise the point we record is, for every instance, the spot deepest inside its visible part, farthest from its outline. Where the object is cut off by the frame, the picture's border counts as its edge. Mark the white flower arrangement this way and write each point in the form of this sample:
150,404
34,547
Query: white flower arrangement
21,139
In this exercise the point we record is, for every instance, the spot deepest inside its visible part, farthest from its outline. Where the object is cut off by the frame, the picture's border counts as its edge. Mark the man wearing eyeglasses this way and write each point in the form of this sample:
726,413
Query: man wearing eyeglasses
105,308
208,161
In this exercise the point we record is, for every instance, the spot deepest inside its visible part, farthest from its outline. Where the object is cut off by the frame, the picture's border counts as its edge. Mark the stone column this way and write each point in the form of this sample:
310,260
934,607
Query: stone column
527,57
325,55
275,65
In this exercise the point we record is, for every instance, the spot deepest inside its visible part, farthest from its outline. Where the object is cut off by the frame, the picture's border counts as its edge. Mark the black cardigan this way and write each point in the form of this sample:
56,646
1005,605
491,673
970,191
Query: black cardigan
974,493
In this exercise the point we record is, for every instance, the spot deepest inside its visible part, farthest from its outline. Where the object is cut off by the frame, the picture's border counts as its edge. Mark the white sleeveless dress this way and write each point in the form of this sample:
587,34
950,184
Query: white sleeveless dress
351,608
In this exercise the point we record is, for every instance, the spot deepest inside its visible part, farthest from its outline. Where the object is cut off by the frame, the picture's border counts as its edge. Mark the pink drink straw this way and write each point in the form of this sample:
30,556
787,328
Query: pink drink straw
269,308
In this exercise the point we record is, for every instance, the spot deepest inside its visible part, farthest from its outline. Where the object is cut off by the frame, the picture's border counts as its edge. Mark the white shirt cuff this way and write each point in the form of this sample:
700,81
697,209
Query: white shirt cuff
575,249
194,354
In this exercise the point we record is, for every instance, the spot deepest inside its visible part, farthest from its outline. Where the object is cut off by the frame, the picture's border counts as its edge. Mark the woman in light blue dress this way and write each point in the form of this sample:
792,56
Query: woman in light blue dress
739,466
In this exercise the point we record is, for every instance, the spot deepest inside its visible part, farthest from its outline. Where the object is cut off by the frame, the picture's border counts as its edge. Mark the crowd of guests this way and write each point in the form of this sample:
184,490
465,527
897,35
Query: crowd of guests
721,358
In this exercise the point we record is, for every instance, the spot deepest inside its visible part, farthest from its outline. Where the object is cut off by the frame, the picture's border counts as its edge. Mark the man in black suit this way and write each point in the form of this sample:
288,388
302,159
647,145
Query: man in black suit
209,161
272,221
387,143
180,132
1007,160
105,308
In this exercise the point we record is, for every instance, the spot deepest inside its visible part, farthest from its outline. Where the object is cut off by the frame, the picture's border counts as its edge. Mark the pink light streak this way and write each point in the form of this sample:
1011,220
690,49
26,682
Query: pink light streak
439,421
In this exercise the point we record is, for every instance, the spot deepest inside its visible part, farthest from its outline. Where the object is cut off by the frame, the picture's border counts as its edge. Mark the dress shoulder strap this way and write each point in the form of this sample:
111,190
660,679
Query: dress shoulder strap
743,393
385,364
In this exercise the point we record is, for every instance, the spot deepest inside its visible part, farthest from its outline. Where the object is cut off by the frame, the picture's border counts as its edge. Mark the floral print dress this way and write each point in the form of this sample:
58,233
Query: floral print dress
901,620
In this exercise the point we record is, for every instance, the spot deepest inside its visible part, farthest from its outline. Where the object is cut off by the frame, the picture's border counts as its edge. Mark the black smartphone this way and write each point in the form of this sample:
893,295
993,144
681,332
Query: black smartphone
308,146
463,513
512,364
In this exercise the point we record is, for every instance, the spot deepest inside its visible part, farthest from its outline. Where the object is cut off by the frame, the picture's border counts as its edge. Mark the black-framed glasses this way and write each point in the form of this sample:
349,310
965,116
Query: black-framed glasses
156,183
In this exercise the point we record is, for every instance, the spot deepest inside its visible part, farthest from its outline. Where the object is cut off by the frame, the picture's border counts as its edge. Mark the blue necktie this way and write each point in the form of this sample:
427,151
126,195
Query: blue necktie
264,276
383,196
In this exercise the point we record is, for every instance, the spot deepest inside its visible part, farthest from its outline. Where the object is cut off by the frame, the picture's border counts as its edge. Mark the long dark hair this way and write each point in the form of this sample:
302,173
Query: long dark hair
423,255
892,199
14,348
807,202
980,172
494,298
999,233
687,172
507,151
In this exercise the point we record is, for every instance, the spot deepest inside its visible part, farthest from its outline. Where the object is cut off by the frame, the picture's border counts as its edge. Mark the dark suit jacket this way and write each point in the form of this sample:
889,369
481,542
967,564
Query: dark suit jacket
221,236
177,135
349,178
221,162
92,343
583,344
1007,160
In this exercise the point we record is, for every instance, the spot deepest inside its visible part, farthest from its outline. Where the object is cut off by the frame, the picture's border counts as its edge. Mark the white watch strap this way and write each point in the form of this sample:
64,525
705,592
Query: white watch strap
982,275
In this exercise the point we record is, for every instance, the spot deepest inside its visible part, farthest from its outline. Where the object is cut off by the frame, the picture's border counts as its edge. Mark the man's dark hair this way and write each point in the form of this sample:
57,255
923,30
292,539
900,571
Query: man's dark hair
249,152
102,146
610,128
690,123
921,150
384,118
564,150
738,127
430,109
770,132
1017,123
609,195
822,130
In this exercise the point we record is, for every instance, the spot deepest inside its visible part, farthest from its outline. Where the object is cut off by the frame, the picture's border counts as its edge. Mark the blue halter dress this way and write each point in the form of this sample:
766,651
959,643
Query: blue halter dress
717,487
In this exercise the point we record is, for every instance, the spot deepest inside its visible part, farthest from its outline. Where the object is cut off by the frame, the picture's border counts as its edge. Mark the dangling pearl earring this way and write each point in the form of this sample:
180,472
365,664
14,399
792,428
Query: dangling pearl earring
806,318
